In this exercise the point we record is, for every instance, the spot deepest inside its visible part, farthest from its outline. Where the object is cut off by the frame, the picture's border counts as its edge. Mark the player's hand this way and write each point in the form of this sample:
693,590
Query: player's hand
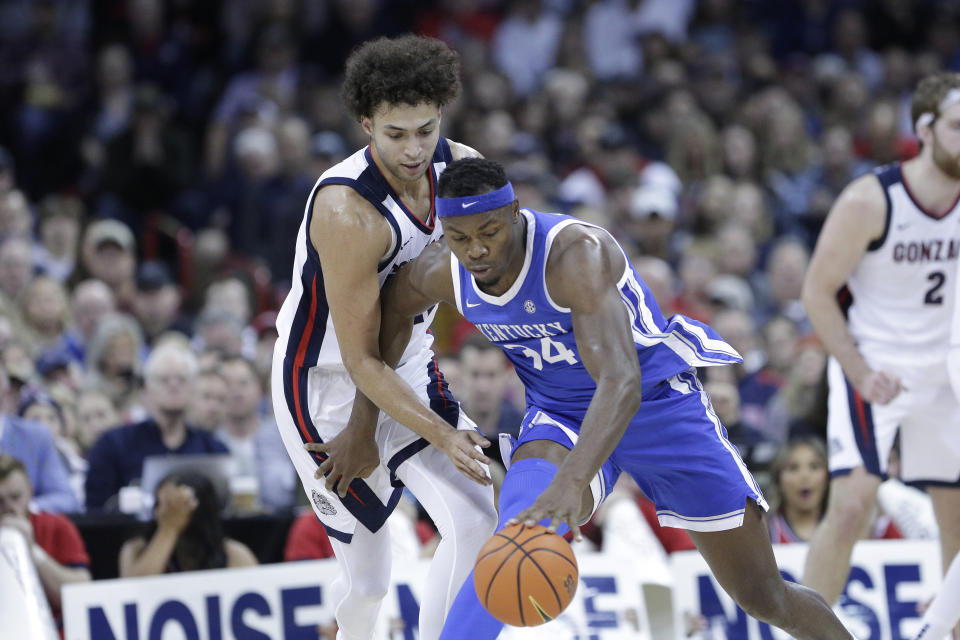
879,387
560,502
350,455
461,447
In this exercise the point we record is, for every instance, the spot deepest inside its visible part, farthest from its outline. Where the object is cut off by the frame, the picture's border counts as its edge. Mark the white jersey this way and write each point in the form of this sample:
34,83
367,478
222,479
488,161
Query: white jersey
900,297
304,324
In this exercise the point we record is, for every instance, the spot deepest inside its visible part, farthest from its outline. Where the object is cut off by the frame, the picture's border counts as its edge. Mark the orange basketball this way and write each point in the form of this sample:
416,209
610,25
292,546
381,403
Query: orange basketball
525,576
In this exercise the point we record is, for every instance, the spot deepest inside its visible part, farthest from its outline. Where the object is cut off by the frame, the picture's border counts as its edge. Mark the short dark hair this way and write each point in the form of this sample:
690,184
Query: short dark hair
409,70
471,177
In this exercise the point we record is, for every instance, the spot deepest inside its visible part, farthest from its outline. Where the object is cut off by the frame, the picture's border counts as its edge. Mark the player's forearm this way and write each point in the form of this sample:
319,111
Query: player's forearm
387,390
831,327
614,404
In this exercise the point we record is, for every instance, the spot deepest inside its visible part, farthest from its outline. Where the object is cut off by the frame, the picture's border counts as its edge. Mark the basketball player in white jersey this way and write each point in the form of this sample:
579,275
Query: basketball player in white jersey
880,292
365,217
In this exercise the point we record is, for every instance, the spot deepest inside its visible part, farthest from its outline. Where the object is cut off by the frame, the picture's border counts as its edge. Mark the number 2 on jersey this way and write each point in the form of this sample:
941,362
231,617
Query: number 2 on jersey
551,352
937,278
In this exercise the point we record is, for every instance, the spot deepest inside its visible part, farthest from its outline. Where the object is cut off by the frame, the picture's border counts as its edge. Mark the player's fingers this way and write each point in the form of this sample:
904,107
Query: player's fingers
315,446
576,530
332,479
323,468
344,483
479,457
478,439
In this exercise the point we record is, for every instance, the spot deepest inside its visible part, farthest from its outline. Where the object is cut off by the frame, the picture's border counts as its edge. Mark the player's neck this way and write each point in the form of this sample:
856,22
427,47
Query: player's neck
934,190
409,191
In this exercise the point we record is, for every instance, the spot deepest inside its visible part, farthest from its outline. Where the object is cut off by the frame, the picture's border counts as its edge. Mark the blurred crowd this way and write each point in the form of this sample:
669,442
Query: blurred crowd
156,157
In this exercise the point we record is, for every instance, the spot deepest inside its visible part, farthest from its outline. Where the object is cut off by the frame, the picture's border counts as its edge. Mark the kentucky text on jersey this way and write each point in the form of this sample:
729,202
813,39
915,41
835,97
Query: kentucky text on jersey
503,332
926,251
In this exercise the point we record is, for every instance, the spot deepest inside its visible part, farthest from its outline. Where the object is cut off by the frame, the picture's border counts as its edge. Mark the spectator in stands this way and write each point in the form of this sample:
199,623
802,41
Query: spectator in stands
754,447
40,407
113,362
252,438
46,313
116,459
307,539
800,477
208,408
57,550
95,414
60,220
186,533
780,339
148,164
16,219
109,255
157,303
485,375
33,445
92,300
16,267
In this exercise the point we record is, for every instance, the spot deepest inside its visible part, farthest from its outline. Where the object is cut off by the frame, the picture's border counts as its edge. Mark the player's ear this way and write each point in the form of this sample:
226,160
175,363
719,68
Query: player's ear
367,123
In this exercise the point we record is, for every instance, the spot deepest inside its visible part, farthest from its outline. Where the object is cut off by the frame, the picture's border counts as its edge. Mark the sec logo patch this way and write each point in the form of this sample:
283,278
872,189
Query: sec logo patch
529,307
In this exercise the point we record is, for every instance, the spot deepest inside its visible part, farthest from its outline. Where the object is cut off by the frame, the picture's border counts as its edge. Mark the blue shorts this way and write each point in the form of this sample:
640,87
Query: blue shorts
677,452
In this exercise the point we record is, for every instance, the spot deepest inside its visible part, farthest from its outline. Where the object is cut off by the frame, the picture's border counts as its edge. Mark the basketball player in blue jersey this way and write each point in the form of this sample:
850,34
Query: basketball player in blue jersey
365,217
890,247
610,385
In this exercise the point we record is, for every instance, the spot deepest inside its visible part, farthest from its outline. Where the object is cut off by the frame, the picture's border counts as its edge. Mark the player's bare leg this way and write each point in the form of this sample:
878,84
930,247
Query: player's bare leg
852,500
742,561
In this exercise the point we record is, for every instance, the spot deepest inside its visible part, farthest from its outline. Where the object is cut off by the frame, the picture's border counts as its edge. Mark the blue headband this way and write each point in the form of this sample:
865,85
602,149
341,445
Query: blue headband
448,207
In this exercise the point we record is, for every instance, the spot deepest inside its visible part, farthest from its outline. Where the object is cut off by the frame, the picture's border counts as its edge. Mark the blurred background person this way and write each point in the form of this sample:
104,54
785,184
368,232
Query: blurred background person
186,533
57,550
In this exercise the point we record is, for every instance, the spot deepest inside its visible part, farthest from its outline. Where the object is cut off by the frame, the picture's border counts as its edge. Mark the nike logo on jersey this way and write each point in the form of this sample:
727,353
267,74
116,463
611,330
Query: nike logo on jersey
469,204
475,304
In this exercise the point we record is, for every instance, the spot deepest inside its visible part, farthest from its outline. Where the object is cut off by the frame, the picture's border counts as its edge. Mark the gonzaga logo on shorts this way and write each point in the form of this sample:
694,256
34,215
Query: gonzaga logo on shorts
323,505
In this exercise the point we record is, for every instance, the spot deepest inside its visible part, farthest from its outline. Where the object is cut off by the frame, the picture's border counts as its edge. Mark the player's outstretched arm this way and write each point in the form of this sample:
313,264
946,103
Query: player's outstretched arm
857,218
583,270
417,286
351,237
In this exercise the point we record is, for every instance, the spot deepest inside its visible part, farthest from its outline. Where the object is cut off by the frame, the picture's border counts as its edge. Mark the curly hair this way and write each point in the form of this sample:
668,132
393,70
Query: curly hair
409,70
470,177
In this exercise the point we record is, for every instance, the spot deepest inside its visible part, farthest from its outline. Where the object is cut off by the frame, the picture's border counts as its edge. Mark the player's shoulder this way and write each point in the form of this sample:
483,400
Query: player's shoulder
342,206
459,151
581,250
865,191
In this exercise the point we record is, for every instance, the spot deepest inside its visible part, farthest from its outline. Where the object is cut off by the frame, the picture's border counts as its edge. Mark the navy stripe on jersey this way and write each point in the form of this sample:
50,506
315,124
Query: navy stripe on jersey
381,181
888,176
303,347
861,415
844,300
360,187
442,403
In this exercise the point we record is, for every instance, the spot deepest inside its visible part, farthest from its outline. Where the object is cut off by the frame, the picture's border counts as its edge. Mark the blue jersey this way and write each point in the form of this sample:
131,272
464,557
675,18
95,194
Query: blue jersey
537,334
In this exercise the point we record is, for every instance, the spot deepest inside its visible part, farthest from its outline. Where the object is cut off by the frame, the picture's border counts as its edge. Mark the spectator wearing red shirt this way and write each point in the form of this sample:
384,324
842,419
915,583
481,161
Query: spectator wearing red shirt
307,539
57,549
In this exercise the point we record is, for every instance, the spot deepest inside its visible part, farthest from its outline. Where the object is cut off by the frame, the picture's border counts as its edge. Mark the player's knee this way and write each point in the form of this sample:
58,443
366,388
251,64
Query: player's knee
368,593
850,512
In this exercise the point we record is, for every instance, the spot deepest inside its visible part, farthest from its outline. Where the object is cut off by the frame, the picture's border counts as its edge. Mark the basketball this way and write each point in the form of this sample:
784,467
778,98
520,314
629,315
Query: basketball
525,576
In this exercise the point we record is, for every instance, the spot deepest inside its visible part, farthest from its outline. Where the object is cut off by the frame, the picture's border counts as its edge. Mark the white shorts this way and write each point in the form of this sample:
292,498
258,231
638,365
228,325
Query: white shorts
926,413
320,408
